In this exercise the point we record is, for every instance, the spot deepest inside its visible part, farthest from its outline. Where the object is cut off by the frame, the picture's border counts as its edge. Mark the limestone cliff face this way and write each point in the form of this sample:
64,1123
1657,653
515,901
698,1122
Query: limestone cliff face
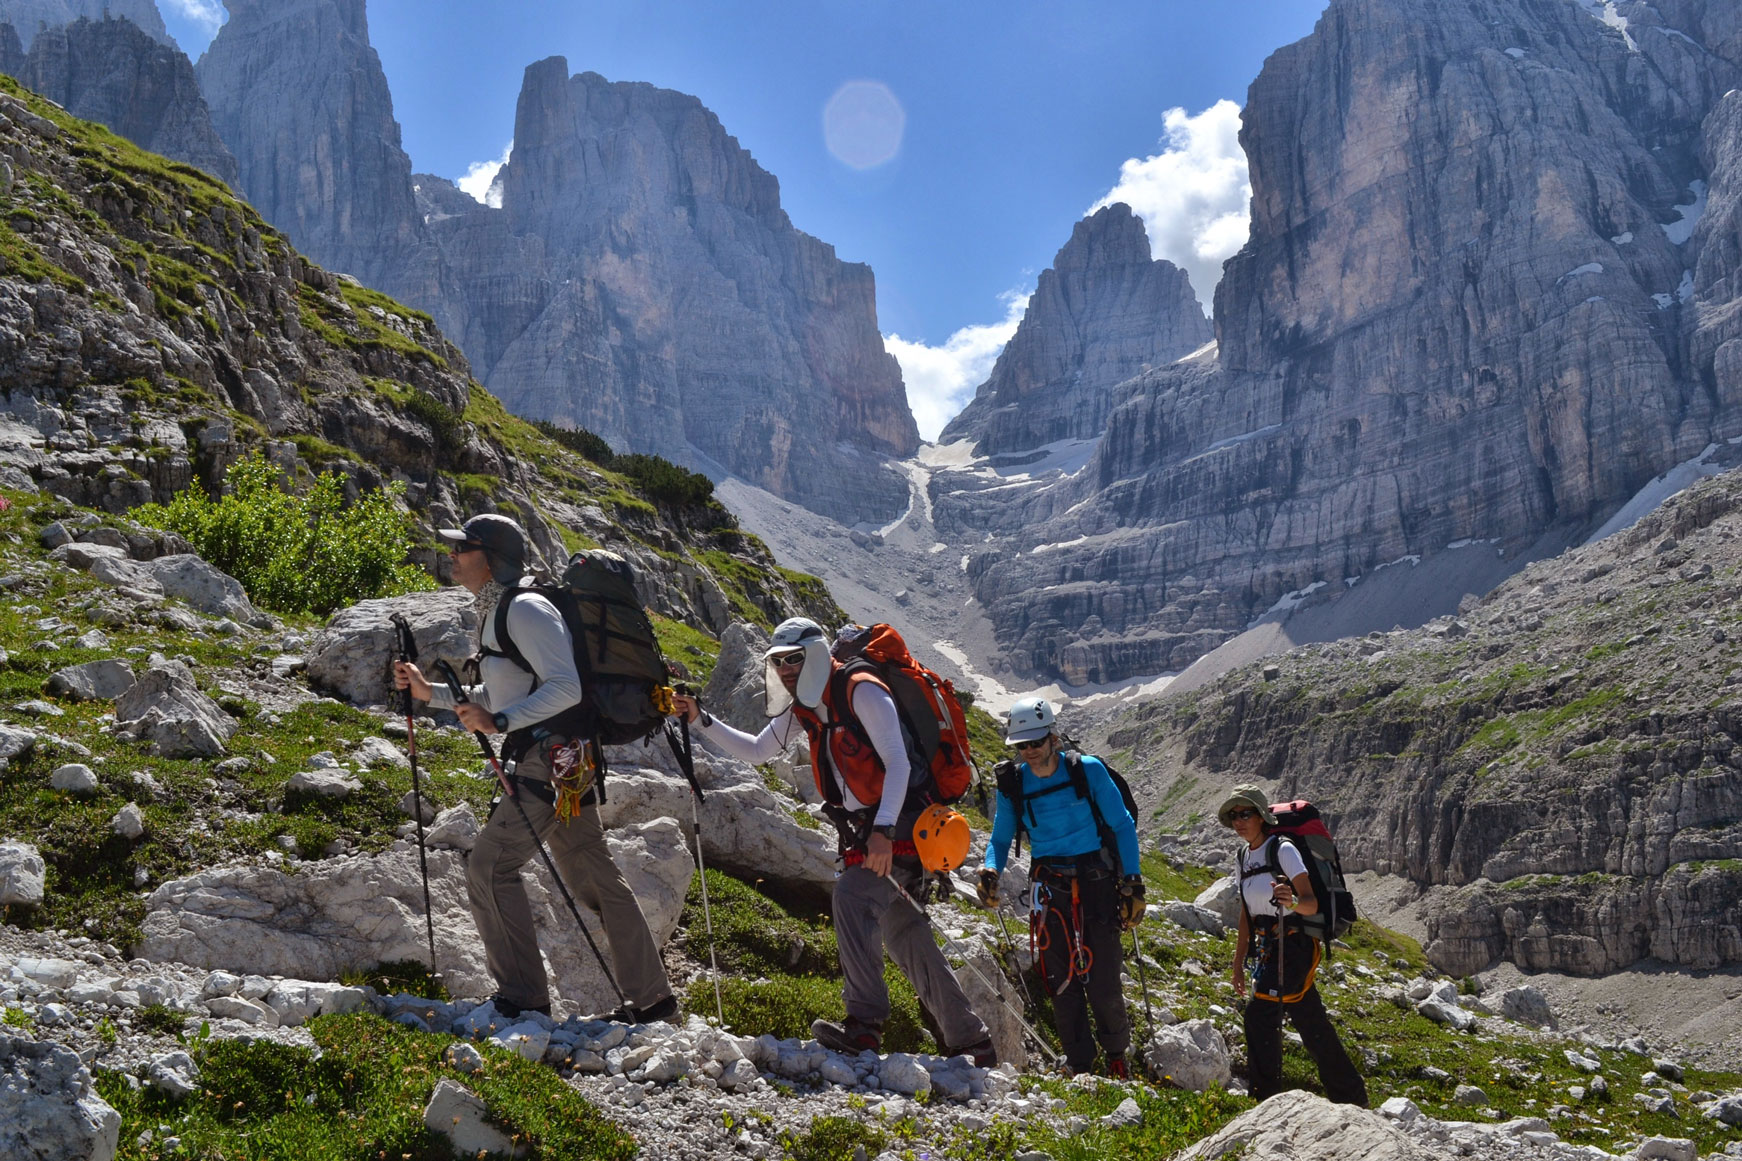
1102,313
30,17
1465,312
113,72
298,95
642,281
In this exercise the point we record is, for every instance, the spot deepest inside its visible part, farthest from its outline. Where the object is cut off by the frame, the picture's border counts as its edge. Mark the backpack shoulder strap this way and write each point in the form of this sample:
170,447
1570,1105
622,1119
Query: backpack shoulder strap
505,646
1079,775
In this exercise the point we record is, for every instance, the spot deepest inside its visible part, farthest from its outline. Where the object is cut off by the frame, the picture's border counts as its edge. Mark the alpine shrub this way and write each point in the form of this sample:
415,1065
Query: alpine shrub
578,440
665,482
297,553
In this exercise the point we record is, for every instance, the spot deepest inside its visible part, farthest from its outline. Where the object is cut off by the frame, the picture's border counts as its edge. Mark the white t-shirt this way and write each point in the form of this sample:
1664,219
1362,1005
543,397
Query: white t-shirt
1256,888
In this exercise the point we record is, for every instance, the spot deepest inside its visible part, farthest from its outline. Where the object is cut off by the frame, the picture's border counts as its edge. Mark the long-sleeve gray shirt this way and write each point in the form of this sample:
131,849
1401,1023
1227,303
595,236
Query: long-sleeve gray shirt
543,639
875,710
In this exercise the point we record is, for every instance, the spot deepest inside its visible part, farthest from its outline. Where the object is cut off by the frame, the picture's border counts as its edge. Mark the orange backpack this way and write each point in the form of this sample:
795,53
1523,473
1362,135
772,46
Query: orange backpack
931,716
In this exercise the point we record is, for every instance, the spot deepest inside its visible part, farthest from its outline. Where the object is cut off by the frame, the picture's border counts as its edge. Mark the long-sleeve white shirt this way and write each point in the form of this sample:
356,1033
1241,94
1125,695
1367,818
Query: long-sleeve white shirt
543,639
875,710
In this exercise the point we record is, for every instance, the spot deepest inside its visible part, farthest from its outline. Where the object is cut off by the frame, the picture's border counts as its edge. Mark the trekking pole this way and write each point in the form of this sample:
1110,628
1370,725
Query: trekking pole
1045,1048
459,692
686,762
407,650
1143,980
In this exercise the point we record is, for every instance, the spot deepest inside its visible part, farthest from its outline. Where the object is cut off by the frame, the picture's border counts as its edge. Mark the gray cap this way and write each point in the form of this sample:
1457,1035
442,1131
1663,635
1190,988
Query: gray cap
502,539
1244,795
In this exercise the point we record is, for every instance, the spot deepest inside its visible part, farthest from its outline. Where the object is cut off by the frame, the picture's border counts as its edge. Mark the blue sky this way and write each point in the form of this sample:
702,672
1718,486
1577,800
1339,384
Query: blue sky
1009,120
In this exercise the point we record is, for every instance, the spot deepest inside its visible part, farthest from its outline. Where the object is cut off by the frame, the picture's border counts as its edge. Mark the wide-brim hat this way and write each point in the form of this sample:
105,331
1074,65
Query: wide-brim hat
1243,796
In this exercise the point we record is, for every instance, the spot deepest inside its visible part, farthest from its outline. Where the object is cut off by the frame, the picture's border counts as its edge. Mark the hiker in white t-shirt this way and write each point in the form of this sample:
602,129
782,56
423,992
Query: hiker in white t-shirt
1267,898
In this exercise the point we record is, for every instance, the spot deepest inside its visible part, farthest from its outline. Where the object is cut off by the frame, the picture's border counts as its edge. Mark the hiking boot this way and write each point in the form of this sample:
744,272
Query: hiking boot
513,1011
1118,1067
666,1009
983,1053
851,1036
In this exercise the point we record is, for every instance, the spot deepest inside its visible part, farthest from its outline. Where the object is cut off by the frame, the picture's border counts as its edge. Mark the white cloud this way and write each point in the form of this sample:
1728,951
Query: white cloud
941,380
480,179
1194,196
207,15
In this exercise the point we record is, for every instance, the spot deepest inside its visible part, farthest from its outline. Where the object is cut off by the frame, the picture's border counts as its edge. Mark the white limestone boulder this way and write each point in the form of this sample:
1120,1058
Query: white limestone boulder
49,1108
21,875
1191,1054
1303,1126
166,708
353,654
458,1114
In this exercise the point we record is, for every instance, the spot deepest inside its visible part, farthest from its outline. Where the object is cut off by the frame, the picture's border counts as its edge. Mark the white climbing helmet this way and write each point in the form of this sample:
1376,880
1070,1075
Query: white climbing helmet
1030,719
797,633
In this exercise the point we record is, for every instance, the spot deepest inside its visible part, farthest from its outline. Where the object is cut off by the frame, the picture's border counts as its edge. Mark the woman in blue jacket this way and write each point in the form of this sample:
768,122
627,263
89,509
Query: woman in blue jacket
1083,894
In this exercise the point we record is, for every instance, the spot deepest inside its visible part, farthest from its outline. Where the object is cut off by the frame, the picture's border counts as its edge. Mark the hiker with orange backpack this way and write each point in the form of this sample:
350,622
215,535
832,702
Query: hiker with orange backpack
876,784
1086,885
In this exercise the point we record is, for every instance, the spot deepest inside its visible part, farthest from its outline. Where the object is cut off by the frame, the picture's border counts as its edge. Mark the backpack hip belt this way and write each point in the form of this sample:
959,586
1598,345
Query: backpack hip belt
902,849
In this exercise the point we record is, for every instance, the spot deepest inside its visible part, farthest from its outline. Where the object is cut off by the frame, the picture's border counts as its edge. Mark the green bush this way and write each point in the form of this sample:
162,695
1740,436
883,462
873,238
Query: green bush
578,440
297,553
663,481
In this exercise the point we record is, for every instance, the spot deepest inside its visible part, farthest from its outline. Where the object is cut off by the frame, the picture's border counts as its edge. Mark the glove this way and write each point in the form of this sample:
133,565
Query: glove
1131,905
988,888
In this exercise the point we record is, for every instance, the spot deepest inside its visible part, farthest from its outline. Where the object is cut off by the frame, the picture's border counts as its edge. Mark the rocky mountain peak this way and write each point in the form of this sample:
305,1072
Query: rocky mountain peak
298,94
1103,312
30,17
114,72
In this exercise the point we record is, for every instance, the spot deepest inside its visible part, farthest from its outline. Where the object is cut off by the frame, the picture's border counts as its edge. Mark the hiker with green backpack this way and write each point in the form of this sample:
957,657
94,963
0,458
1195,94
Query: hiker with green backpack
862,715
1086,887
532,693
1278,902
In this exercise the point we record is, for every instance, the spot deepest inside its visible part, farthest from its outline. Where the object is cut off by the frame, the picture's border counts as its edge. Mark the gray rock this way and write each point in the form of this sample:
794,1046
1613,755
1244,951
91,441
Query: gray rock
1449,1014
1193,917
49,1109
1526,1005
93,681
1223,898
1191,1054
1666,1149
1469,1094
412,805
454,1112
129,822
54,535
166,708
203,587
373,752
325,783
74,778
353,654
14,742
21,874
174,1073
903,1073
997,1002
464,1057
1103,312
1126,1115
1303,1126
736,691
1725,1110
1668,1069
456,827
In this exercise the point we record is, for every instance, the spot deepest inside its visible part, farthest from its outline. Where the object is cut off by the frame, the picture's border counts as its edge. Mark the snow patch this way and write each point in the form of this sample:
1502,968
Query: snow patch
1664,301
1651,497
1289,602
1467,542
1057,545
1682,229
1516,53
1685,291
1605,12
1595,298
1067,456
1411,560
1577,271
1677,33
1622,239
1208,348
964,562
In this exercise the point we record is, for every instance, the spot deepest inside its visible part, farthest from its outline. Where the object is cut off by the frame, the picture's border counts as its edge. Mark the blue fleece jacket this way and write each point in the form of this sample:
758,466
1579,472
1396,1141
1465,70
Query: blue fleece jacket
1062,824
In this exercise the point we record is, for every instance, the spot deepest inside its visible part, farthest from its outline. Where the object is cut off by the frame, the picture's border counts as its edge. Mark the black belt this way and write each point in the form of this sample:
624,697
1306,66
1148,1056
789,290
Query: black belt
1087,866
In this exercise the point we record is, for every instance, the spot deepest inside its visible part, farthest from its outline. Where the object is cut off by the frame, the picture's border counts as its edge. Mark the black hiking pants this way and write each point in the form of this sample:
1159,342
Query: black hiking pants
1077,986
1299,998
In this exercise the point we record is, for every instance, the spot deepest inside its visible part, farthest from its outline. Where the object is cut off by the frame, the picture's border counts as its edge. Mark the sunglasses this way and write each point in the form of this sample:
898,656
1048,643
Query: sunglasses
1241,815
460,548
1038,744
787,660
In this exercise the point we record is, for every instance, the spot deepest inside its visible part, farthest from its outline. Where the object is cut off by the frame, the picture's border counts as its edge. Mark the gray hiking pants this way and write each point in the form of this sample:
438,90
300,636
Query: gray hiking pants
869,917
504,916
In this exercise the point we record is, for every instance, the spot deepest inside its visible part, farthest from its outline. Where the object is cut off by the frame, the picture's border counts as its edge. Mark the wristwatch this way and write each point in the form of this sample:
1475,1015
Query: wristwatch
887,832
501,721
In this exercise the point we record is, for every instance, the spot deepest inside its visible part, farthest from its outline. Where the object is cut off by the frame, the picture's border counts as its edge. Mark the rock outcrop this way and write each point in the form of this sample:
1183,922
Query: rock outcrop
49,1107
1102,313
1477,322
111,71
1558,768
298,94
32,17
642,281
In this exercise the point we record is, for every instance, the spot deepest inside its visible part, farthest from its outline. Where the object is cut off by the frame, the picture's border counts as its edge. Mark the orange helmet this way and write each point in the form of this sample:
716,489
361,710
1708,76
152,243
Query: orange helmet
942,838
